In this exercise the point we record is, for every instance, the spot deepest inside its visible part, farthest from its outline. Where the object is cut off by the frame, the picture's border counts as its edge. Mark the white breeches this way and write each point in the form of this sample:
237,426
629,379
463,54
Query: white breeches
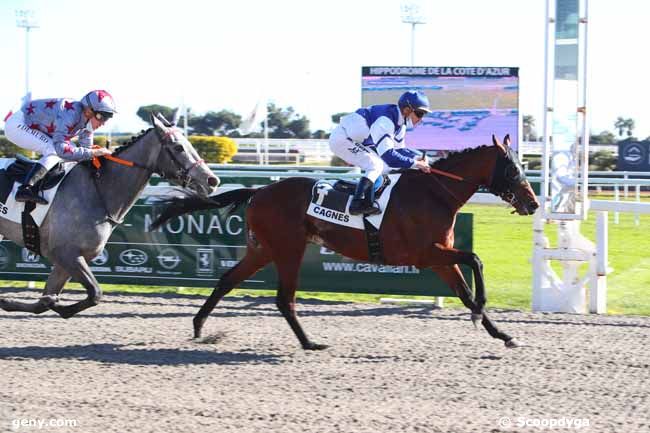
31,139
345,142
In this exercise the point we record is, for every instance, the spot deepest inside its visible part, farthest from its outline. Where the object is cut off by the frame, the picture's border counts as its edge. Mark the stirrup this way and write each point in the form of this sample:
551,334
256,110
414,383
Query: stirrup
27,194
364,209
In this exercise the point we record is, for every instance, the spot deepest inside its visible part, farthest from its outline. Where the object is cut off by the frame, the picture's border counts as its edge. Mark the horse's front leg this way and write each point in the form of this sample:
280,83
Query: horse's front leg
444,256
55,282
38,307
78,269
454,278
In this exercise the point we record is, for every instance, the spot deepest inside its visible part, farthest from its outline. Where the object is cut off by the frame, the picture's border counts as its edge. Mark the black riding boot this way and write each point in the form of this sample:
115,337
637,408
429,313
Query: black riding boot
363,201
26,191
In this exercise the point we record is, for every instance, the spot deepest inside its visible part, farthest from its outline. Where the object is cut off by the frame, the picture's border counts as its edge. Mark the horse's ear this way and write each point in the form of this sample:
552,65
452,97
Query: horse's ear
506,140
155,121
176,117
496,142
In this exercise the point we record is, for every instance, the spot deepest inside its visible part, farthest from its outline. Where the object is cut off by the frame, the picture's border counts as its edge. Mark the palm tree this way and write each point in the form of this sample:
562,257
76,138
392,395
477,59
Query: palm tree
629,124
620,125
624,126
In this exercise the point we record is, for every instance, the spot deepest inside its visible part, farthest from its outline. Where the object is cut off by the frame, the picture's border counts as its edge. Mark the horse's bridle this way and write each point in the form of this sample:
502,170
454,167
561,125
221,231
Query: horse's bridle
182,173
504,176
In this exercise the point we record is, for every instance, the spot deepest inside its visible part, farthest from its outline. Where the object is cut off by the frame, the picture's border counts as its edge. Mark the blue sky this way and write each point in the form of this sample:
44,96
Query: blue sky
308,54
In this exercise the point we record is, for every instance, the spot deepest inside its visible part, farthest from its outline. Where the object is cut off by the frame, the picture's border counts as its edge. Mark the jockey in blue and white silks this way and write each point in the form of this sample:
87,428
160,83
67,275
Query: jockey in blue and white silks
47,126
372,138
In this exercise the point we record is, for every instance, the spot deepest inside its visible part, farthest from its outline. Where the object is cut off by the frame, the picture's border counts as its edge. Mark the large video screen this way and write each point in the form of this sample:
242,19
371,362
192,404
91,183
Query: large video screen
468,104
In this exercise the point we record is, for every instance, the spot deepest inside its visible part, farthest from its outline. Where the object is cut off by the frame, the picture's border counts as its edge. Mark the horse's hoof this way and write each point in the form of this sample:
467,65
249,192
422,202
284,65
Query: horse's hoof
476,319
314,346
512,344
62,311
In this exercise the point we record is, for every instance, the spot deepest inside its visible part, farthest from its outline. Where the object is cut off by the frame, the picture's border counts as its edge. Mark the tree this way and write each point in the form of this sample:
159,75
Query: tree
529,128
145,112
605,137
624,126
286,123
336,118
629,124
223,123
602,160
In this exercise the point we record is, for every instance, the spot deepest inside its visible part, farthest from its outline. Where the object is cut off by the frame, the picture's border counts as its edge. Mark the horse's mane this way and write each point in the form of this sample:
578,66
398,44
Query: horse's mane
453,156
132,141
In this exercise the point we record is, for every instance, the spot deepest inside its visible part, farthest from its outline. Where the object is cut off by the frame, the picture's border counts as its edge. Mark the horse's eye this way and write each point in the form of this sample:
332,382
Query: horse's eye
179,148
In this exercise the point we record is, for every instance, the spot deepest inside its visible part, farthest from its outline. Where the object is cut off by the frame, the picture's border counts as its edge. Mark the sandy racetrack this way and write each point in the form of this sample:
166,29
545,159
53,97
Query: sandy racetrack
129,365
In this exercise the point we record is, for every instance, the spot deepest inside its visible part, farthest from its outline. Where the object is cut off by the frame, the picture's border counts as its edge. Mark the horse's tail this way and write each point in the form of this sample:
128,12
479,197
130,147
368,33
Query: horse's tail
231,200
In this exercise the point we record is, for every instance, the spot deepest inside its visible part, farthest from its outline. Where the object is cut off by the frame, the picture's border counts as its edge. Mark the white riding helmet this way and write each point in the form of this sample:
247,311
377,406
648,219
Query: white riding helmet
100,101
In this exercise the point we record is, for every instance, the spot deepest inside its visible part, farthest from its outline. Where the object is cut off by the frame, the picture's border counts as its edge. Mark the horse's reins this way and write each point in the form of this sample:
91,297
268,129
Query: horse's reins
97,163
462,179
493,187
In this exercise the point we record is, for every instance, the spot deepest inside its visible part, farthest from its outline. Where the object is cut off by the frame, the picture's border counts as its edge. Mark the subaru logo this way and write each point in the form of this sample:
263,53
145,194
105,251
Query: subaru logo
133,257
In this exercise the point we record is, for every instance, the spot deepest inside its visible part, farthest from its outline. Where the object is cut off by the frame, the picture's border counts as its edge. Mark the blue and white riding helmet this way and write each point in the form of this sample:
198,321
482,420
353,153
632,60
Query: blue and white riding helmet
415,100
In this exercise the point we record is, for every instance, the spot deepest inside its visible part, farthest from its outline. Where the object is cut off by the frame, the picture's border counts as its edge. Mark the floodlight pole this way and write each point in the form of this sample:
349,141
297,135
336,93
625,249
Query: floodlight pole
413,44
26,19
412,14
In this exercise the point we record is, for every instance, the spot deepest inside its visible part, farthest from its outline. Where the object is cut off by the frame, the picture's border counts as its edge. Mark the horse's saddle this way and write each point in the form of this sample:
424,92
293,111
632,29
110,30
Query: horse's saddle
17,171
331,202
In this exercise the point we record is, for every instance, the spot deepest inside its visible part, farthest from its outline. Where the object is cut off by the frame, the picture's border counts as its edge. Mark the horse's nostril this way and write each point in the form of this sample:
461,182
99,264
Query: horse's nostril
213,181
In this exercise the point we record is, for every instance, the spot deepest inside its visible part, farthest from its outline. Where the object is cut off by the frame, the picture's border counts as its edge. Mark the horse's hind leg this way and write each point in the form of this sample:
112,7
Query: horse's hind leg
288,270
55,282
253,261
78,269
454,278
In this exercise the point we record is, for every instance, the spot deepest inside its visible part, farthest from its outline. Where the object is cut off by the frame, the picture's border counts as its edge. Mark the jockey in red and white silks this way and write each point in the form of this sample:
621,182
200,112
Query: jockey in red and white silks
372,138
47,126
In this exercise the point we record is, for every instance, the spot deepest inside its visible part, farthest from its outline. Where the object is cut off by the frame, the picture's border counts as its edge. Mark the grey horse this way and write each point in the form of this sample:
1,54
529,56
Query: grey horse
87,208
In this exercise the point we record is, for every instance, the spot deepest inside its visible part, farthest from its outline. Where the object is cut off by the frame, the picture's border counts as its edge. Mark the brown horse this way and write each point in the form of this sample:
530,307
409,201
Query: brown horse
418,228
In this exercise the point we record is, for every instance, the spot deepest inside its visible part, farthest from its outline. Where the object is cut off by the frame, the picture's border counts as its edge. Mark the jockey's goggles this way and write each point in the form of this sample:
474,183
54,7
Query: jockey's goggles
420,113
103,115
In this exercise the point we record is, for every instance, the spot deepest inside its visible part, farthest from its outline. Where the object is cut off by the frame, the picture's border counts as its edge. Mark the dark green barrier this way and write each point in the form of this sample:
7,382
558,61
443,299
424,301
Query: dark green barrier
194,250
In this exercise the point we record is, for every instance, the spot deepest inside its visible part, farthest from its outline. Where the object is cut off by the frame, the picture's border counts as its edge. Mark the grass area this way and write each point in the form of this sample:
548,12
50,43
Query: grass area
505,246
504,243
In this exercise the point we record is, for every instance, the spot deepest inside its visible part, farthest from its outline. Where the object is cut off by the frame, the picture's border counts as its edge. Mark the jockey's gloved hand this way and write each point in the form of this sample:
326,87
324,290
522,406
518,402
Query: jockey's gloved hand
422,165
100,151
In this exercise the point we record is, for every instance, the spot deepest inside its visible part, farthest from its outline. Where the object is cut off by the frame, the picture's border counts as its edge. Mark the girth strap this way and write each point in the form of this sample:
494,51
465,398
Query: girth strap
375,254
31,234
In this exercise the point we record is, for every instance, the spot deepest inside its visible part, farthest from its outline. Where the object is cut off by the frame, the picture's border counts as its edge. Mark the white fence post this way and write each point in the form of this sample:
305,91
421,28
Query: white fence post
616,198
598,289
638,200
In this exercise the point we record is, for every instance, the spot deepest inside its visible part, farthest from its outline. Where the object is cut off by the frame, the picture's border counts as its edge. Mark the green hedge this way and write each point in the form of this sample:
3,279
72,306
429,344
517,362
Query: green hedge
214,149
9,150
